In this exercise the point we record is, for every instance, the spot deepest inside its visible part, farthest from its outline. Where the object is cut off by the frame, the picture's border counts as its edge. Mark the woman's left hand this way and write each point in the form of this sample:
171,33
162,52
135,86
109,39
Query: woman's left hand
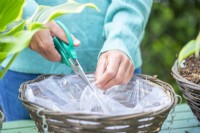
114,67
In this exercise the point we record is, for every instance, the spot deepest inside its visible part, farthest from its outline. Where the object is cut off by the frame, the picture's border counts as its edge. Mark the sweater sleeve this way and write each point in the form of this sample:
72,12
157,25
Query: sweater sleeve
29,8
124,26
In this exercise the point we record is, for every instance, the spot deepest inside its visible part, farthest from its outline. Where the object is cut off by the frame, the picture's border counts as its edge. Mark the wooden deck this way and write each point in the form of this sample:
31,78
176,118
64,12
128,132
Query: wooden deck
184,122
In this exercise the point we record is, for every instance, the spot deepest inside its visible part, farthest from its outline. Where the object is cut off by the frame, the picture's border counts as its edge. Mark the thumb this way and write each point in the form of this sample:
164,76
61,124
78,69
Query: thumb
76,41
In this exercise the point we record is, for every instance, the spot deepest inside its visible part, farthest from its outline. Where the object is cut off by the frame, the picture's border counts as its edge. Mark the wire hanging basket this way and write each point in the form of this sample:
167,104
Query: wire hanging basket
190,90
1,119
60,122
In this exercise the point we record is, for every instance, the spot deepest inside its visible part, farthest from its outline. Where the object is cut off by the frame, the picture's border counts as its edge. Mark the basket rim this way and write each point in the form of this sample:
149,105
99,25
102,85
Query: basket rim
180,78
87,116
2,116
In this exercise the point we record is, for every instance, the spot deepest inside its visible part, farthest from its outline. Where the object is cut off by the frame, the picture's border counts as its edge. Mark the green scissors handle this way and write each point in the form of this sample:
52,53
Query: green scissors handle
66,50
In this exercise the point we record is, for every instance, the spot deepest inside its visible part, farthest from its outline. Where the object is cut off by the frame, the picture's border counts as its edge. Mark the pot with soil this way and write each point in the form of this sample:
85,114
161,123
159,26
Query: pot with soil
186,71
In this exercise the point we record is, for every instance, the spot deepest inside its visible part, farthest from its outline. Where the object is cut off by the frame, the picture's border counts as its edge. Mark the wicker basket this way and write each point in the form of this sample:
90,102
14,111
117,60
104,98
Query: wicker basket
190,90
1,119
52,121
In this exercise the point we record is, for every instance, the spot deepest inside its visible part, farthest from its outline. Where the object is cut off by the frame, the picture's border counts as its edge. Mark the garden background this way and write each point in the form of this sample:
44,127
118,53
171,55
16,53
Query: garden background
171,25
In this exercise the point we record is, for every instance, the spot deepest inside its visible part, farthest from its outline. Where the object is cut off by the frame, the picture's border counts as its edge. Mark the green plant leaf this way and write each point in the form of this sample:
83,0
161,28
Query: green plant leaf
10,10
190,48
186,51
13,28
197,45
15,43
45,14
2,56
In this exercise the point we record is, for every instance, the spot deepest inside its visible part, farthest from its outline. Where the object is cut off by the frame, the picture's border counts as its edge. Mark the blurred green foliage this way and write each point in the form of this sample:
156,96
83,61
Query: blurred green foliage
171,25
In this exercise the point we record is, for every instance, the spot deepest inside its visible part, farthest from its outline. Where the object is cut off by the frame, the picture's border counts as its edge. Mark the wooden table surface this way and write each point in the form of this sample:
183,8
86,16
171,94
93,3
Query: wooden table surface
184,122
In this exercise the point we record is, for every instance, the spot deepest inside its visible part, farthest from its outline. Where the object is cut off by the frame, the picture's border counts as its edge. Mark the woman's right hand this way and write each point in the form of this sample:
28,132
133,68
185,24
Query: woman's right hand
42,41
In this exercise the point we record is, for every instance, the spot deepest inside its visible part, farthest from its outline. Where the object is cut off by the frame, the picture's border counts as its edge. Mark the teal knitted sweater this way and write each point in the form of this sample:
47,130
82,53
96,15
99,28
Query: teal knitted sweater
120,25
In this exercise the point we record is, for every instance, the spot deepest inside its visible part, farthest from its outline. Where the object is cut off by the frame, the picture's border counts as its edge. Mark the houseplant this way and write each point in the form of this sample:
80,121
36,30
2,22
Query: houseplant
186,71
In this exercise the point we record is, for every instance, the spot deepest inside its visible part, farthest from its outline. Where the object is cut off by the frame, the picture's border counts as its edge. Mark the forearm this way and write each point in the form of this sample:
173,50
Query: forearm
124,25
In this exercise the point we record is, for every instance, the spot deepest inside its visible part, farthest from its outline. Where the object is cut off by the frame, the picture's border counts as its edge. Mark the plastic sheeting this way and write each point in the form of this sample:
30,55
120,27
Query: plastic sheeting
71,94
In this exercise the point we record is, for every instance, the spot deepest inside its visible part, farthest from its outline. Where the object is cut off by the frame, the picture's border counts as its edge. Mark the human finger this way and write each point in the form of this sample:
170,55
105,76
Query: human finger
42,42
57,31
101,67
113,62
119,77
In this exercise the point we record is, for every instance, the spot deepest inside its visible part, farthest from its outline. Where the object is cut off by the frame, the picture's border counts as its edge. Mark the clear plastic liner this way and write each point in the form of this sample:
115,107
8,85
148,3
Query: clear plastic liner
71,94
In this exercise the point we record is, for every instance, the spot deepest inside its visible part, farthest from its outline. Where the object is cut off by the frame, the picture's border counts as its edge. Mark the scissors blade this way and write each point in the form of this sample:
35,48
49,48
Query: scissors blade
79,71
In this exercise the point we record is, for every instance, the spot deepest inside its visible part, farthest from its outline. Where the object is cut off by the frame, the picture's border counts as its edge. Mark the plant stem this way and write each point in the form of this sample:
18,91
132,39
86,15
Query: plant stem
8,65
197,46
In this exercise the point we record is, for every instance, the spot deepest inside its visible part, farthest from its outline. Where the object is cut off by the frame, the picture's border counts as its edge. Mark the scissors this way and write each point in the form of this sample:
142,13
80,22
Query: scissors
68,54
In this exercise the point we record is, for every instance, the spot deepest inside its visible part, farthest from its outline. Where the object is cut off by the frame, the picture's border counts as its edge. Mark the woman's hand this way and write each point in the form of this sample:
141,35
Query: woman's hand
42,41
113,68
